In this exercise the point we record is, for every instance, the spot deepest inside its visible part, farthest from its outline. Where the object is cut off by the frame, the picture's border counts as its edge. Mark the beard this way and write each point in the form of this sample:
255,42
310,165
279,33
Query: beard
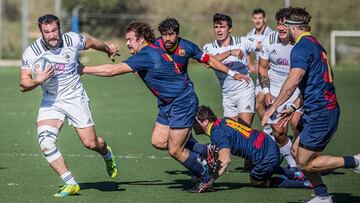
53,46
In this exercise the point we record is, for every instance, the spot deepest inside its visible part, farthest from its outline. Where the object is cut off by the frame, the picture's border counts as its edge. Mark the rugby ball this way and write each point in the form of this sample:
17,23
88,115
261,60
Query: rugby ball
41,64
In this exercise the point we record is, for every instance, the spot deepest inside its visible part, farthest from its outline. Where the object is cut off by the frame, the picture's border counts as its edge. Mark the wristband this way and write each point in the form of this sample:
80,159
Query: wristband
230,52
265,90
293,107
231,73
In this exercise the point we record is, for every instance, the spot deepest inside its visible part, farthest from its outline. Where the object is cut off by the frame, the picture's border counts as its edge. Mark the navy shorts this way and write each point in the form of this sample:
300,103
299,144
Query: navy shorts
316,129
264,169
181,112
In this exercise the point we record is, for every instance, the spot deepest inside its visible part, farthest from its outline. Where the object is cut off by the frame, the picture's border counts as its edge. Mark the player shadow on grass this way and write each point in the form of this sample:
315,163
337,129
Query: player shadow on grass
102,186
187,183
337,197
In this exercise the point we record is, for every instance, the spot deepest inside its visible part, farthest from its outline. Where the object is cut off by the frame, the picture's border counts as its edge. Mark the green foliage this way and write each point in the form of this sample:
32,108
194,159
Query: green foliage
103,18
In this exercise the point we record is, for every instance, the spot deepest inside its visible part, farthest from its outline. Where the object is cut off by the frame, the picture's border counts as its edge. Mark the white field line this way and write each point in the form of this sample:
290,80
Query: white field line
129,156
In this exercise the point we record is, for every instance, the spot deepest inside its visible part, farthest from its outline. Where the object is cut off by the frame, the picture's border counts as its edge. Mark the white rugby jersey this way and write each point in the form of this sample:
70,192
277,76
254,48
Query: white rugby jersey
65,83
278,55
234,63
253,36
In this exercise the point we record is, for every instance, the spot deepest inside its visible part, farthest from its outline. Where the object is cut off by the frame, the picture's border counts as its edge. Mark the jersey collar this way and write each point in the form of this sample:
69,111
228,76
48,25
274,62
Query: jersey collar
208,128
230,44
301,36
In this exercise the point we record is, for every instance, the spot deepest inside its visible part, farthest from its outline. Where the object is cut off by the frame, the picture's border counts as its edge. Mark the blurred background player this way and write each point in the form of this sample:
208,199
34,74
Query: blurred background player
177,100
274,67
310,71
239,139
257,34
63,95
238,96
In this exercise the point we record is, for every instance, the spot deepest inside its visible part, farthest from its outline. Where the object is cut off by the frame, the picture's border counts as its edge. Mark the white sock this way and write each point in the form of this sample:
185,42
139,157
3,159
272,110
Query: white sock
285,151
107,156
68,178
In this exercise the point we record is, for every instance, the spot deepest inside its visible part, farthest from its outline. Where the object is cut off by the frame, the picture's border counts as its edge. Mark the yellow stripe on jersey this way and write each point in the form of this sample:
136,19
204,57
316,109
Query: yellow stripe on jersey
244,130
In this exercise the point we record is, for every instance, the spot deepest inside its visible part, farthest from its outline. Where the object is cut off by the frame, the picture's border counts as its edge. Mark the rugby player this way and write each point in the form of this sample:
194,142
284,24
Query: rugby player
274,67
63,95
258,34
239,139
238,96
311,73
177,100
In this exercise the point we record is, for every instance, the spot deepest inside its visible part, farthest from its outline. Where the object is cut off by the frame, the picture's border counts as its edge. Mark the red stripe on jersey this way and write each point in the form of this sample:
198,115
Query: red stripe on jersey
331,98
258,143
217,122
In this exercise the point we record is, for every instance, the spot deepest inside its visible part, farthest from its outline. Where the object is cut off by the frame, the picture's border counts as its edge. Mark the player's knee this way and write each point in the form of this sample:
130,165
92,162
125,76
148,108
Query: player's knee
90,144
158,144
304,165
47,140
175,152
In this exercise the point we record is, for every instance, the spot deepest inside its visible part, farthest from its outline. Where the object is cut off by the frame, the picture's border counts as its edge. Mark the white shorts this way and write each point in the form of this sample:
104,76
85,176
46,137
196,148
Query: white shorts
242,102
76,110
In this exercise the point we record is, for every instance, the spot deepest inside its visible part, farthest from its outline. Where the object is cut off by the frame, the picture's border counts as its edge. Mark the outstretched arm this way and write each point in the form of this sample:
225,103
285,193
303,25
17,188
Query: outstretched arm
225,159
99,45
232,52
217,65
107,70
291,83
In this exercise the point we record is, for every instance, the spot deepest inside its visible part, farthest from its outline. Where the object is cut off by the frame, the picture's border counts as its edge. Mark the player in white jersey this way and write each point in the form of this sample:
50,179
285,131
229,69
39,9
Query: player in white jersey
238,96
274,67
63,95
258,33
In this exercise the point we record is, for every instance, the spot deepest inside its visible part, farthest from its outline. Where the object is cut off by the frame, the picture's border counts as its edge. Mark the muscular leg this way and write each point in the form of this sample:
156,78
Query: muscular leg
246,117
294,120
280,134
160,136
91,141
177,141
260,105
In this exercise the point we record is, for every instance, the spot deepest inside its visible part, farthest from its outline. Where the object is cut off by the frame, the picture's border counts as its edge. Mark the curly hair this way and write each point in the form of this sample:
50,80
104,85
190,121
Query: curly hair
281,13
169,24
205,113
142,29
300,15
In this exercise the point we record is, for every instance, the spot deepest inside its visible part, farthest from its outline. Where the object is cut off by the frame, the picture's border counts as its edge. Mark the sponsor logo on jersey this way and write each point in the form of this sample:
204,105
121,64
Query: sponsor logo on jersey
182,52
282,61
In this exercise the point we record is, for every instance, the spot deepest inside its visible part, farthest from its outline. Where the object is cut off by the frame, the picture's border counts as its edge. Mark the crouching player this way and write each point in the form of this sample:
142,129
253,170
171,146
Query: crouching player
237,138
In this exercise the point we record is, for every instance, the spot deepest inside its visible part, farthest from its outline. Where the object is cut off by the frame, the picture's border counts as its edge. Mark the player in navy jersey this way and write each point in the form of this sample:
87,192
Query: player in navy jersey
177,101
239,139
311,72
181,50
